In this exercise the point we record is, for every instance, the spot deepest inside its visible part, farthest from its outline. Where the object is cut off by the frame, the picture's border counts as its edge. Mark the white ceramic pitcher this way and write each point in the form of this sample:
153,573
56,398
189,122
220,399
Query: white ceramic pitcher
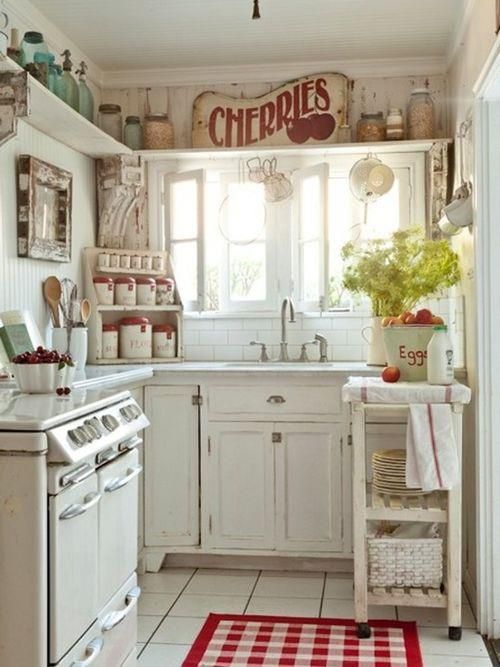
373,336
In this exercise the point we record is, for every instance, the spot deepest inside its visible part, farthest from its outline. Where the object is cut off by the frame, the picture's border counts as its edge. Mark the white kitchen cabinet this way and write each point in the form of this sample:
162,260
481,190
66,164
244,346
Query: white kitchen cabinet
240,493
171,467
308,487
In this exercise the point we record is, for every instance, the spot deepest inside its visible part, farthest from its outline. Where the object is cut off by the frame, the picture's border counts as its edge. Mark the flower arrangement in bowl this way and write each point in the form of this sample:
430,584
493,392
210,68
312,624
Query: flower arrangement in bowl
395,274
43,371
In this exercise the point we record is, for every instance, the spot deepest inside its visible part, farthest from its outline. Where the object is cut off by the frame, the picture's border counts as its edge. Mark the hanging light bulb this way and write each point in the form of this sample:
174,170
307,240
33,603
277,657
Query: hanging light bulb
256,10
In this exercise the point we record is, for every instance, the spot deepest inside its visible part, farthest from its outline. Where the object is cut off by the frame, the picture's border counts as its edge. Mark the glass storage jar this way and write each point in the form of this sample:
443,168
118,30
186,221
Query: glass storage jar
136,338
395,126
132,133
110,120
420,115
32,43
158,132
371,127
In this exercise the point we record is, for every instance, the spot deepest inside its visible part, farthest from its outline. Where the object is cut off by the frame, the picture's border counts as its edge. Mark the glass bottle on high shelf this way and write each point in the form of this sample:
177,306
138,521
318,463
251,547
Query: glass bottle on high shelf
59,84
70,85
85,97
32,43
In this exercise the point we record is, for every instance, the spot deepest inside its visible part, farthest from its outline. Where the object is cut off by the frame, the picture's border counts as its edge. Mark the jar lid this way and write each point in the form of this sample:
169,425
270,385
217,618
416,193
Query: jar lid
156,116
127,321
102,279
164,281
110,108
132,119
33,37
109,327
372,114
125,280
420,91
167,328
145,281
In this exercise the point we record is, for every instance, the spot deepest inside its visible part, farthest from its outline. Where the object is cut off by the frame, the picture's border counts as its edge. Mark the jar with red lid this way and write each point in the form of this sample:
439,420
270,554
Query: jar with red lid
104,289
146,291
125,291
109,341
164,341
136,338
165,291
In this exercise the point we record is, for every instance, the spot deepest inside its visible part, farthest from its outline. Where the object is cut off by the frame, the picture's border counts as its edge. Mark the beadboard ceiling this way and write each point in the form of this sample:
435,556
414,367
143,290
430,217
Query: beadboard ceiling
124,35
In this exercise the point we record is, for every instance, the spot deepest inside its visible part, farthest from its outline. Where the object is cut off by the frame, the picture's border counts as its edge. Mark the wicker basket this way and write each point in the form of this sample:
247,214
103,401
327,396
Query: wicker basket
410,563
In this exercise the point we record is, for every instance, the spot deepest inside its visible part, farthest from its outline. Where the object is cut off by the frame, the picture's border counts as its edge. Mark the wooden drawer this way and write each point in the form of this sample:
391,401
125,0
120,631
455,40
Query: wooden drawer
274,402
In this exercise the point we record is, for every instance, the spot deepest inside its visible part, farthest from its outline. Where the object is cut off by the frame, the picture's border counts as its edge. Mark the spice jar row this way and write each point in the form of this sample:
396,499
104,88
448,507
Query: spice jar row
420,121
138,338
156,132
113,260
128,291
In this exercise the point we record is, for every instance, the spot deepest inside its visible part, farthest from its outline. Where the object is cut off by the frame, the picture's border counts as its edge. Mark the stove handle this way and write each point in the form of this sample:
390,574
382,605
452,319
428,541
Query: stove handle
92,652
119,482
75,510
115,617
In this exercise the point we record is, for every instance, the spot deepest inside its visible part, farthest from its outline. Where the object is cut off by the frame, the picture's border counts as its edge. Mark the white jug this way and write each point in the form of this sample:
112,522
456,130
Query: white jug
376,351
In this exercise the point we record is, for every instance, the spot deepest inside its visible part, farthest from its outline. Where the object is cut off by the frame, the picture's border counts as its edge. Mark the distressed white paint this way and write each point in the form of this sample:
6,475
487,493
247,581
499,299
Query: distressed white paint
21,278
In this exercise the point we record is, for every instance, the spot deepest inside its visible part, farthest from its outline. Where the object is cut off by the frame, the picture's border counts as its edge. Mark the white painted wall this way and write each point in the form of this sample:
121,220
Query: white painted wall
21,278
474,44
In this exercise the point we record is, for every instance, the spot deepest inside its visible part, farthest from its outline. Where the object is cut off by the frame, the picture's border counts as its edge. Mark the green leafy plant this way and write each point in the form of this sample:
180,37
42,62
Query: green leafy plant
397,273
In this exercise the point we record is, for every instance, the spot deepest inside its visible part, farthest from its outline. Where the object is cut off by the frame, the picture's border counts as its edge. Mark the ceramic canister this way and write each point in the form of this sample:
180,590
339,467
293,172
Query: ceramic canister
136,338
125,291
146,291
164,341
165,291
104,289
109,341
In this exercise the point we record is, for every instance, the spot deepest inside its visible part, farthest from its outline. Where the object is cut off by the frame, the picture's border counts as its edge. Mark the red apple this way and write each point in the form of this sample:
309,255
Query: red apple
322,125
391,374
299,130
423,316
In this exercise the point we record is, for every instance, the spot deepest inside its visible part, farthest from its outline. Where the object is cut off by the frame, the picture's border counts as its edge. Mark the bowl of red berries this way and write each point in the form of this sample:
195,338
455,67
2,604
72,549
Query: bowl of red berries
43,371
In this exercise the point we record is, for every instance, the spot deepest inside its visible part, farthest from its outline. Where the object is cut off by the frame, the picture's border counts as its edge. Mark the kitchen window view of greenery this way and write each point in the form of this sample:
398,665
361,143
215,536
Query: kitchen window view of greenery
235,252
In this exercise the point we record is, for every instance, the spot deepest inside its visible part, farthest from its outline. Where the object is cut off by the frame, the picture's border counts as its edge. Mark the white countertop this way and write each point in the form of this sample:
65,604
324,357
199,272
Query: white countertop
240,367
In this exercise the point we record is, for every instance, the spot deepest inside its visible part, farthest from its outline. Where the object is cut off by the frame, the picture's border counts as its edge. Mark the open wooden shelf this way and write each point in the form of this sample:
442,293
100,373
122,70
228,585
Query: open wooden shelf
428,508
129,272
123,309
407,597
58,120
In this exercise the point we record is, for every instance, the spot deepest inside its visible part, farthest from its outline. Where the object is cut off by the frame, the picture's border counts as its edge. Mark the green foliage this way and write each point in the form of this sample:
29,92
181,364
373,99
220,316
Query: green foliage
244,274
397,273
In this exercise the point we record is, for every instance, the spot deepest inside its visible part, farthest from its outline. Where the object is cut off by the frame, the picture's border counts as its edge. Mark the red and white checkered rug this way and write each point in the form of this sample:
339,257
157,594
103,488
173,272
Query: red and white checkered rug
280,641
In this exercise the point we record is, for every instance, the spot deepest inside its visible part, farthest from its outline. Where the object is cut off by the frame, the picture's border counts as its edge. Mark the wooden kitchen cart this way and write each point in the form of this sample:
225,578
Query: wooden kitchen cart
442,507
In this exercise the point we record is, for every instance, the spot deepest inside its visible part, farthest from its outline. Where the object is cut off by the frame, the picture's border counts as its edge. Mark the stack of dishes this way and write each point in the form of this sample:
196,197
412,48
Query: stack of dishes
389,473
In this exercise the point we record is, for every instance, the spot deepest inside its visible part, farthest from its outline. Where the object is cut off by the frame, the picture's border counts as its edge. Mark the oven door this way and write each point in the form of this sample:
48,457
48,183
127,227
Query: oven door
73,564
118,516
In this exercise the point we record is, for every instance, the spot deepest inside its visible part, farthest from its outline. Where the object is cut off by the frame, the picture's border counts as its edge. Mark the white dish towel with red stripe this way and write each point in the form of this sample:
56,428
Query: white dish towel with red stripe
431,456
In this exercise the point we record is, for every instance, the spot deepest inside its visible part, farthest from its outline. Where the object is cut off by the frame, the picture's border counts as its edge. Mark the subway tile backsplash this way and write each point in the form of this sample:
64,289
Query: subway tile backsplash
227,338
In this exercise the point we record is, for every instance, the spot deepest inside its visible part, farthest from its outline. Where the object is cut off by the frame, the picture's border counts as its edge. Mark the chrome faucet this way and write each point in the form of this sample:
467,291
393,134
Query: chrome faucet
323,347
287,302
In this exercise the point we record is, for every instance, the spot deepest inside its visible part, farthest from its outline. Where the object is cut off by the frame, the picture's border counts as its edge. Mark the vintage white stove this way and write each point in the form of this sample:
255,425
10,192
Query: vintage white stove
68,529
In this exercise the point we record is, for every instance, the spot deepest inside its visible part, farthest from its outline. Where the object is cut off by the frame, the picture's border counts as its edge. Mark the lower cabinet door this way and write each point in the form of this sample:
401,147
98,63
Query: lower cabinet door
240,486
308,487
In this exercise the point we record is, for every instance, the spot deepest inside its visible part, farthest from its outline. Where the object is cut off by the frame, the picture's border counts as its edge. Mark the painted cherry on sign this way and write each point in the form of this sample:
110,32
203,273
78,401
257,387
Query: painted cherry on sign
299,130
322,125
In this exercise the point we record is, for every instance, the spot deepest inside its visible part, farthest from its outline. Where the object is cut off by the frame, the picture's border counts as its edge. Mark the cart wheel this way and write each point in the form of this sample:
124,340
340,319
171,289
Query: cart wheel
364,631
455,632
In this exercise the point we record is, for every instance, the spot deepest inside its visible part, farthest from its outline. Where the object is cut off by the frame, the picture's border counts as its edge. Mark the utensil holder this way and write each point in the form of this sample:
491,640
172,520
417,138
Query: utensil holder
78,347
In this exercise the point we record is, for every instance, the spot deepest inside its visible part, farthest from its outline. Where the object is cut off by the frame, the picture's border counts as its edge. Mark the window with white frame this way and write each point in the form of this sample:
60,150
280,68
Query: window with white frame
233,252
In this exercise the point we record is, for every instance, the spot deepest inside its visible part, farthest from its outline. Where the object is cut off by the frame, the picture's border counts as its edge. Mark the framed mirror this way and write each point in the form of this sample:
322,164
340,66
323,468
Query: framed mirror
44,198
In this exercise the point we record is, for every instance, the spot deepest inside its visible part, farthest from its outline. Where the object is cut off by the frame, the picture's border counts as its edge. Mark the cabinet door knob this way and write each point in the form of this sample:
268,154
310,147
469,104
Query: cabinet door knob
276,399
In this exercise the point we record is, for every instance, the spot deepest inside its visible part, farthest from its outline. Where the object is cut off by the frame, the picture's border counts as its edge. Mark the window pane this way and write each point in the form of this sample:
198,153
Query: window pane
212,246
384,215
310,208
243,213
184,256
310,262
184,210
247,272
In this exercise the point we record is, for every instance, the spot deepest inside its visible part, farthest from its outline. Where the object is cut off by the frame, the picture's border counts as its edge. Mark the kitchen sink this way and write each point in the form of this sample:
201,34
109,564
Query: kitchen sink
276,364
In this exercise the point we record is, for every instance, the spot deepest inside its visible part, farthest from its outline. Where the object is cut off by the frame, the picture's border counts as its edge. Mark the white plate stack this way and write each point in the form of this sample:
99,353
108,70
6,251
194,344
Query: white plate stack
389,473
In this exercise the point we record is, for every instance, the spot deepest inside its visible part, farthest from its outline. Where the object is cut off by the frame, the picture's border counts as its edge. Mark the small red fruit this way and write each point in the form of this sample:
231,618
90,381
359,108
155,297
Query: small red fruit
391,374
423,316
67,390
60,391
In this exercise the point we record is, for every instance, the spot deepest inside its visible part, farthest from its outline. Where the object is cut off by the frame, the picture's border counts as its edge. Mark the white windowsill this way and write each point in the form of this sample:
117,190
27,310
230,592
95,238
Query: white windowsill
216,315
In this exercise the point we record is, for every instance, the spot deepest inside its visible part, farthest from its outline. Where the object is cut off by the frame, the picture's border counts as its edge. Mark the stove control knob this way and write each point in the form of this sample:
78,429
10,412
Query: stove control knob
85,434
110,422
125,413
136,411
91,429
75,437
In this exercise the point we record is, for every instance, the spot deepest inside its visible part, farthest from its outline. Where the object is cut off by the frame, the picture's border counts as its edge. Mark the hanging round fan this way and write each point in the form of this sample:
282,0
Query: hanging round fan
370,178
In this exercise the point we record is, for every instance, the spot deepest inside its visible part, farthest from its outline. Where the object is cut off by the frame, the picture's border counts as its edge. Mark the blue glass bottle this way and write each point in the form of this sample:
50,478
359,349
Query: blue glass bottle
85,97
70,84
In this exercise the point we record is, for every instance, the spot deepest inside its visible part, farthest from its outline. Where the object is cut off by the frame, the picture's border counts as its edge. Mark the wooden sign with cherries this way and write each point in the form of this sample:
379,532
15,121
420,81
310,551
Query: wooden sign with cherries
305,111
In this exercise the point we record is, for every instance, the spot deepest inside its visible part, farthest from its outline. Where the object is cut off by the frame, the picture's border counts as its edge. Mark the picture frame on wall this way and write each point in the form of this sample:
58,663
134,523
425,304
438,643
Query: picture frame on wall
44,207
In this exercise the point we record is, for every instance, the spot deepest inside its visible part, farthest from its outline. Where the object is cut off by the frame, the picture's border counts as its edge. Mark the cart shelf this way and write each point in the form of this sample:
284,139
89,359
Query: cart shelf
429,508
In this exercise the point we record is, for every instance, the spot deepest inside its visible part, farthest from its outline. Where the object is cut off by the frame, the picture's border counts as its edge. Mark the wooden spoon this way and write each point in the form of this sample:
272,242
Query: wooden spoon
85,310
52,293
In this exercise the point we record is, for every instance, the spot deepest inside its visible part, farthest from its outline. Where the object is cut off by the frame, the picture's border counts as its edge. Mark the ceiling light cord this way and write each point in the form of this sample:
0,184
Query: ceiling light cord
256,10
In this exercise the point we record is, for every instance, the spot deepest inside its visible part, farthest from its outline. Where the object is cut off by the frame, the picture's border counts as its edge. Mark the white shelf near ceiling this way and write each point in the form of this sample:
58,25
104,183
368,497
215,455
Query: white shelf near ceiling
55,118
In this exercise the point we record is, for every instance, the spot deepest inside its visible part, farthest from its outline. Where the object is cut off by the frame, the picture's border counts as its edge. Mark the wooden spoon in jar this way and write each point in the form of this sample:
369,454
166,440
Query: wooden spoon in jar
85,310
52,294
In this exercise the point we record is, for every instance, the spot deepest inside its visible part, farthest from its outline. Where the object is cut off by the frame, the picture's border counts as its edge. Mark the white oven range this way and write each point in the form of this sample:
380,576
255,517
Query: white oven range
69,472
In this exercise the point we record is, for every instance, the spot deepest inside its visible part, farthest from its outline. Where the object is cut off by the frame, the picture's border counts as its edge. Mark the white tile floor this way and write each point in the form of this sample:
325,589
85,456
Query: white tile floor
175,603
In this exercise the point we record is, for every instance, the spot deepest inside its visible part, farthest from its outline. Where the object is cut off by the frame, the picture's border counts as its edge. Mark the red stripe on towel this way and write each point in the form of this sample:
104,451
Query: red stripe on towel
434,449
364,393
447,394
